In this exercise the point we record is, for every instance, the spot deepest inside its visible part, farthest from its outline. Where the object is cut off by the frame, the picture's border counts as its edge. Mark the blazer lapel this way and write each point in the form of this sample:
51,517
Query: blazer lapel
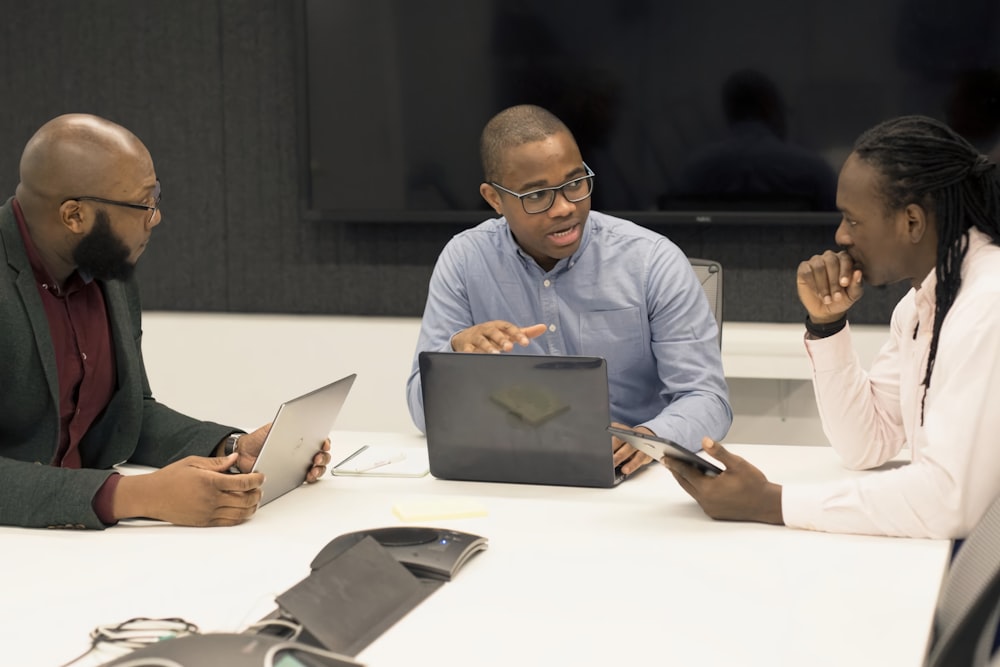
17,260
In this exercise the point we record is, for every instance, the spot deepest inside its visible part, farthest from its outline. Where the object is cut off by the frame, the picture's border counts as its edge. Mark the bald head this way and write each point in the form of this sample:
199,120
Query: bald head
512,127
80,154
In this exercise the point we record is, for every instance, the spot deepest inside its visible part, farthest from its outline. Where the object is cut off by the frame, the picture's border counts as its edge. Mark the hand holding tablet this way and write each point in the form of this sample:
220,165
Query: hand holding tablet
657,448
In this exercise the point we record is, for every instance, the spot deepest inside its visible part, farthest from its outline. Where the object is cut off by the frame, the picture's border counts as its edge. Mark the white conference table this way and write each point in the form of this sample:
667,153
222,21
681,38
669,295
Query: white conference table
635,575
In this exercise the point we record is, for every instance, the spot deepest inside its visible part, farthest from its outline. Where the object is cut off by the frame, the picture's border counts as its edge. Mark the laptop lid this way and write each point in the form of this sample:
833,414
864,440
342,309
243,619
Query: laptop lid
528,419
297,432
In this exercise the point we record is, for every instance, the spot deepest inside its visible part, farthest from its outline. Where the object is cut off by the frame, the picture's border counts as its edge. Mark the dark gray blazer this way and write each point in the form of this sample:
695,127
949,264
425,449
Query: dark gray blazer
133,427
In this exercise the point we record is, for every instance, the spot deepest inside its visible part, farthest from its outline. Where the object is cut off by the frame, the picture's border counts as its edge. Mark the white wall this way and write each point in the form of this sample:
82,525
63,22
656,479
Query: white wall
236,369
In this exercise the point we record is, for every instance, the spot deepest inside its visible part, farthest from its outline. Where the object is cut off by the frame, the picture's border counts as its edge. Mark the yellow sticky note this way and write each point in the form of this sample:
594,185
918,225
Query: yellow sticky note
438,507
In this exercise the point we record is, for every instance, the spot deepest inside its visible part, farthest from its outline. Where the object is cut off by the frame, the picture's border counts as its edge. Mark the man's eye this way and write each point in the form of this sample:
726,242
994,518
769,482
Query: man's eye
538,195
572,186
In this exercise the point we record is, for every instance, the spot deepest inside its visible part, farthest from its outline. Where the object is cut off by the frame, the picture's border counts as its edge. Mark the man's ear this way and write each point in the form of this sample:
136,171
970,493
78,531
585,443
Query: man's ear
916,222
492,197
71,216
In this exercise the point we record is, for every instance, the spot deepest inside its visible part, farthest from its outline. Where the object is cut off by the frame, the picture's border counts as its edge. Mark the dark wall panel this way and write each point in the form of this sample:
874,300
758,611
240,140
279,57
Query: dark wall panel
210,88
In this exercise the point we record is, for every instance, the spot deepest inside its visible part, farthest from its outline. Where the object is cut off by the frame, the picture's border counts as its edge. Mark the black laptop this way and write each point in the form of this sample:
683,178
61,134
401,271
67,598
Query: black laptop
527,419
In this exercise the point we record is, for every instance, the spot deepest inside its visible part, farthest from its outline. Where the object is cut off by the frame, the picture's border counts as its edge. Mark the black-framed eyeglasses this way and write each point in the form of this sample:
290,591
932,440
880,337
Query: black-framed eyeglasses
542,199
142,207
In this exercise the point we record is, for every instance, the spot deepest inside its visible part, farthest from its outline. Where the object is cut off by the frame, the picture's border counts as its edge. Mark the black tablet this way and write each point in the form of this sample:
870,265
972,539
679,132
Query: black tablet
657,447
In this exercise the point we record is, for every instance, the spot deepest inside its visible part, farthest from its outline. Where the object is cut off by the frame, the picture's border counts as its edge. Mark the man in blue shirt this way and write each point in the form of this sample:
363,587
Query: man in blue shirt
554,277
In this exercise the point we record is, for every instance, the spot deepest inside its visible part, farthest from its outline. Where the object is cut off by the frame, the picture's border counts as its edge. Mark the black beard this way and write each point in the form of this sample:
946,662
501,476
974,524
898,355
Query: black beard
100,254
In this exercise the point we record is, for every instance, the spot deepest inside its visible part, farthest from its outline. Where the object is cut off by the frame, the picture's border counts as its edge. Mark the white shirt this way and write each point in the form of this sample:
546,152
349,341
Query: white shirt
954,472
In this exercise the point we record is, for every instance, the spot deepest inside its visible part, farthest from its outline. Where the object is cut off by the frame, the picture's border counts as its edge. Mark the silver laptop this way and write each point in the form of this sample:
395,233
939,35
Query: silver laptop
527,419
297,432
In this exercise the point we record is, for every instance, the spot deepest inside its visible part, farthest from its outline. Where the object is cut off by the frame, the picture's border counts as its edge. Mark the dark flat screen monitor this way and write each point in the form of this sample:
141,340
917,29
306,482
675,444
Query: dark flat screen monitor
687,110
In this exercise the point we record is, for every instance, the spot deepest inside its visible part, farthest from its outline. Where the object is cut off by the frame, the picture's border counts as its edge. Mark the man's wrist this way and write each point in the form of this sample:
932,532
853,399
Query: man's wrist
770,510
231,444
228,445
128,499
825,329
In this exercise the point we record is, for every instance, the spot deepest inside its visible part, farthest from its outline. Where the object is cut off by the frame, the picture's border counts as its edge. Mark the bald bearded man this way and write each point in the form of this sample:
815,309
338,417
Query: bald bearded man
75,400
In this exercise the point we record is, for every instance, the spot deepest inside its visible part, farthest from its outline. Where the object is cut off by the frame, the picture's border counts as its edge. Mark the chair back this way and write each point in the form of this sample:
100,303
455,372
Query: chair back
709,272
968,606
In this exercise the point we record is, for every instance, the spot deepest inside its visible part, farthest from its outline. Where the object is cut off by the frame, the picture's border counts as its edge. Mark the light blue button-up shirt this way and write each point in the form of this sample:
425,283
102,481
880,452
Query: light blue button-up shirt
628,294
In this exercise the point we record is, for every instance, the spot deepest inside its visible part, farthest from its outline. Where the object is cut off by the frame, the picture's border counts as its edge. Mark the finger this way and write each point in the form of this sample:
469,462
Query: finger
691,475
686,485
534,331
497,337
821,273
315,473
637,461
846,269
623,454
716,450
475,339
855,289
821,279
828,277
318,469
213,463
804,276
502,341
506,334
617,442
240,500
480,342
812,285
241,483
232,516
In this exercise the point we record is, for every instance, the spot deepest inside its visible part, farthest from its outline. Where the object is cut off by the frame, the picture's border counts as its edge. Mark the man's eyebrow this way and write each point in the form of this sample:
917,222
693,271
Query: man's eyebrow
534,185
574,174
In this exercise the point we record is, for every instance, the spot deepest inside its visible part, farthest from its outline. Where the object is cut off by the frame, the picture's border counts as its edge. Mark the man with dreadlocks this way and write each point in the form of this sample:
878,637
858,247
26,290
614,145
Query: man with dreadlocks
919,204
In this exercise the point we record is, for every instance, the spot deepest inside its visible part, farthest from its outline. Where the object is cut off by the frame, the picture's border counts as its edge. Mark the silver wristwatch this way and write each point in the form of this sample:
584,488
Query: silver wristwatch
231,443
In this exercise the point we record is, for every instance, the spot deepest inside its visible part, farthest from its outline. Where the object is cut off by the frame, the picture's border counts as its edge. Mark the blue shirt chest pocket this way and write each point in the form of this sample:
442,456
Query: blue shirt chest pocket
616,335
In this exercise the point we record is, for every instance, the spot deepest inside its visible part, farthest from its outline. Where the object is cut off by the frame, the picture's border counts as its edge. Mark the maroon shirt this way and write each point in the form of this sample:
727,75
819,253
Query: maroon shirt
85,358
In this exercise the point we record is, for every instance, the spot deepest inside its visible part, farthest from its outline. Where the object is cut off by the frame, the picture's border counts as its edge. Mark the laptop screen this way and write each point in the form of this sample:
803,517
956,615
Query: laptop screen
517,418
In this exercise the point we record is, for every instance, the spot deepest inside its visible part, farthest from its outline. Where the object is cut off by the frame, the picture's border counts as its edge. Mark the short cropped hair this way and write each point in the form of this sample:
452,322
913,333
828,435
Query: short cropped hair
512,127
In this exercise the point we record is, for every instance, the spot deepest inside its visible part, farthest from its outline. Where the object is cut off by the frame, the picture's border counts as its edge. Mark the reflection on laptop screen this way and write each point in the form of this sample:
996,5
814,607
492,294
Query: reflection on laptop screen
517,418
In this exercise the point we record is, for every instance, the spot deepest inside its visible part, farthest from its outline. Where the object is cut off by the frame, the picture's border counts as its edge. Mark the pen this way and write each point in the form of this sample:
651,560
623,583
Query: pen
384,462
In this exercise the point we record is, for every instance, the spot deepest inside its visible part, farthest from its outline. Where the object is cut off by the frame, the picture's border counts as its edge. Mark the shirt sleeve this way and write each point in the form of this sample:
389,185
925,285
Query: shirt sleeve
446,312
860,411
955,471
103,502
685,340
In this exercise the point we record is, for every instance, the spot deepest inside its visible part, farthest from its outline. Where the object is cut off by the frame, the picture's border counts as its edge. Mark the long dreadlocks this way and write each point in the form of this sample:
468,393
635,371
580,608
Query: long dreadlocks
925,162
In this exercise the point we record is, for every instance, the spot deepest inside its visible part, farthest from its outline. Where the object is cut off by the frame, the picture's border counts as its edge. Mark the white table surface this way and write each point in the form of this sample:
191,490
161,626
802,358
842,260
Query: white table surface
635,575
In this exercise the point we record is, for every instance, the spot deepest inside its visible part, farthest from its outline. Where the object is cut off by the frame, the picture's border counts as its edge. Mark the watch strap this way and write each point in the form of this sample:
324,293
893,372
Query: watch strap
231,444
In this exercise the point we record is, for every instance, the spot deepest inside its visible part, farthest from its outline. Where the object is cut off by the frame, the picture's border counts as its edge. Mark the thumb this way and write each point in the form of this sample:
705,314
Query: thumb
218,463
716,450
